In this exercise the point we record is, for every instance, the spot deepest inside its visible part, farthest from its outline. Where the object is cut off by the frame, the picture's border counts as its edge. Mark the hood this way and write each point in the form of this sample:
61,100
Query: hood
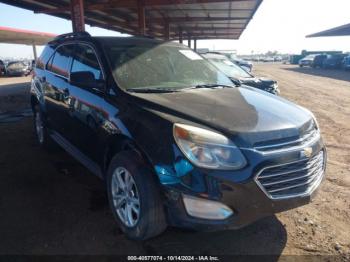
247,115
307,60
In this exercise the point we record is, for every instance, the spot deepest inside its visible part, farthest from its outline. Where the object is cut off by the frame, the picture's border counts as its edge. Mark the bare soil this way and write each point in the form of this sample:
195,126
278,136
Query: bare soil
49,204
322,227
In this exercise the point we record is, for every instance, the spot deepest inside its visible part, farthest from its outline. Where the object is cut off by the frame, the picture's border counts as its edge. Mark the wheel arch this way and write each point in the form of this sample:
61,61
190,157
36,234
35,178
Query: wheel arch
119,143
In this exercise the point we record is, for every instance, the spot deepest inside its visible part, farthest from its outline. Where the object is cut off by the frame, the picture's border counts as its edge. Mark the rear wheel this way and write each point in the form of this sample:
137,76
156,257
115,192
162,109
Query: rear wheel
134,197
40,129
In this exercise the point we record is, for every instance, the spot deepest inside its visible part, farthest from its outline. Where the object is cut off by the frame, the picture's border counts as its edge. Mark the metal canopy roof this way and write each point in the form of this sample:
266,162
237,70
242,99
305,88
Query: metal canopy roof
19,36
343,30
201,19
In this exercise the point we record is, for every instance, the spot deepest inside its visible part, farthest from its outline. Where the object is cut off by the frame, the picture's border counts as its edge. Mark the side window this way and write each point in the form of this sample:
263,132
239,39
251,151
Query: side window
85,60
59,62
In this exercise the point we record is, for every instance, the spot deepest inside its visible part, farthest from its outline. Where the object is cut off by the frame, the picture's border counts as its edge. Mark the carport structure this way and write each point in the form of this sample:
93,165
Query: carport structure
163,19
10,35
343,30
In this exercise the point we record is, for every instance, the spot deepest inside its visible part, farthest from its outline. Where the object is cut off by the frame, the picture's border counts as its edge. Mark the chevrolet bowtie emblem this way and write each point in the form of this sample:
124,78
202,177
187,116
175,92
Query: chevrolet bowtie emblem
307,151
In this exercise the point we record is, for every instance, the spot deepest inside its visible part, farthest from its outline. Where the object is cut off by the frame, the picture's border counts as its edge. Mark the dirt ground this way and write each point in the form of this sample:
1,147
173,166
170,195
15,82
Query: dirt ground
49,204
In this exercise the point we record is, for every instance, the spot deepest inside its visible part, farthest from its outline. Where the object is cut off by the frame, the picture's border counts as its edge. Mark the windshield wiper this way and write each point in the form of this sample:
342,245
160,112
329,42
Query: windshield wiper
212,86
151,90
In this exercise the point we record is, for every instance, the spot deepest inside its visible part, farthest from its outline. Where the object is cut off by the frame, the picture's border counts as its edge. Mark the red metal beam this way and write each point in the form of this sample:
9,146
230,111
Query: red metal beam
141,17
133,4
77,14
195,19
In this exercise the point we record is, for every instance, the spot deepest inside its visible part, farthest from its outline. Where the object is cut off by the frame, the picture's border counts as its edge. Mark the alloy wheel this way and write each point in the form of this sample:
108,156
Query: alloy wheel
125,196
39,127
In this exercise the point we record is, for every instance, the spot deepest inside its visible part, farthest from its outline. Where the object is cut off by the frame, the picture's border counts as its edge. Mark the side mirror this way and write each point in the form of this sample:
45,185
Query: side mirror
86,79
236,81
248,69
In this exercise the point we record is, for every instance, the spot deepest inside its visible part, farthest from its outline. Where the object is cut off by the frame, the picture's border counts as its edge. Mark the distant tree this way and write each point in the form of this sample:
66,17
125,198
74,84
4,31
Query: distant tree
271,53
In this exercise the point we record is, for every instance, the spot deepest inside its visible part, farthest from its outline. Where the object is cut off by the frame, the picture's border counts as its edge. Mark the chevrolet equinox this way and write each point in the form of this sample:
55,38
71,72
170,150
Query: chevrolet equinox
174,140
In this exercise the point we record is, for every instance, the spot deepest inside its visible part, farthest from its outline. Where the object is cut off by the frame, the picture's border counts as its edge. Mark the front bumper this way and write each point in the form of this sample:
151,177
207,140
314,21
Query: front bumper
238,191
248,203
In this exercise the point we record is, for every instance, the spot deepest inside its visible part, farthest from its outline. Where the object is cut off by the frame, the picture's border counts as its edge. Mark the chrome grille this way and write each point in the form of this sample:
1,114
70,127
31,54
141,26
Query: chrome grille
292,179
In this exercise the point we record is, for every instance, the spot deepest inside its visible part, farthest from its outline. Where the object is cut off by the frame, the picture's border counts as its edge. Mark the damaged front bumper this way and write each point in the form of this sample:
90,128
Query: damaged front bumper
234,199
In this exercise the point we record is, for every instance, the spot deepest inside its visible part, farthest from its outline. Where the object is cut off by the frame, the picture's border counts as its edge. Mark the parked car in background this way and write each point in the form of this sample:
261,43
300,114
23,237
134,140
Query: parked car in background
176,142
307,60
240,76
17,68
246,65
2,68
346,63
267,59
318,61
333,61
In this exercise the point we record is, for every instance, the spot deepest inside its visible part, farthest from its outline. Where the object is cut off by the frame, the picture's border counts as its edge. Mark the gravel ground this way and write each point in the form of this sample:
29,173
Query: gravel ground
49,204
323,226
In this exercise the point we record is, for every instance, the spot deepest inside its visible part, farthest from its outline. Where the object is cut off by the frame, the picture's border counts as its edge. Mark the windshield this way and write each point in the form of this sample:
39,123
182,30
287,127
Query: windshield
165,66
228,68
310,57
16,64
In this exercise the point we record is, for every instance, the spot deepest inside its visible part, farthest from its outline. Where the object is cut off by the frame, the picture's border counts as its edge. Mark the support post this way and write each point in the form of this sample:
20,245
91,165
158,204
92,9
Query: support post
34,52
141,17
77,15
195,44
180,36
167,31
189,41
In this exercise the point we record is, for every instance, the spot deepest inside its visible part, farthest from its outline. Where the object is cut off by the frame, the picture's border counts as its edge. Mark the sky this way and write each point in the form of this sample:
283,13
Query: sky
279,25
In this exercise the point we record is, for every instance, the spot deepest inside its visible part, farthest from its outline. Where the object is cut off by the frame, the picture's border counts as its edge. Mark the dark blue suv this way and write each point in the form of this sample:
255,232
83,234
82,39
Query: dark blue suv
176,142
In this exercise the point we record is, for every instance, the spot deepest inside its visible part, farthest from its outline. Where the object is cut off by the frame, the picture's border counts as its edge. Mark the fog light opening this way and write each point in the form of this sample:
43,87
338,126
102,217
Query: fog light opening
206,209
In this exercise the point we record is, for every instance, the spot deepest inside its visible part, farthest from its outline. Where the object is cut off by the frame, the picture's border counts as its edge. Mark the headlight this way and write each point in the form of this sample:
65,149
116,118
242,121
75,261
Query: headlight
208,149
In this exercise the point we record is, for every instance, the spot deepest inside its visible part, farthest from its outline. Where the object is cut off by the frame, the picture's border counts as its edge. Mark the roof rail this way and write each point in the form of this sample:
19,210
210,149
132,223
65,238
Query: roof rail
71,35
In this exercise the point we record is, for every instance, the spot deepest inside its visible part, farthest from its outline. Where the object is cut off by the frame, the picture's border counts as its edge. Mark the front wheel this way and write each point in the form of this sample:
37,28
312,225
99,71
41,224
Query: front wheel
134,197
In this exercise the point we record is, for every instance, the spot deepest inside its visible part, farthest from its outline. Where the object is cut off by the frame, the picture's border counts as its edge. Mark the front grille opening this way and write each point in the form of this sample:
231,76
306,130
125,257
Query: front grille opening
292,179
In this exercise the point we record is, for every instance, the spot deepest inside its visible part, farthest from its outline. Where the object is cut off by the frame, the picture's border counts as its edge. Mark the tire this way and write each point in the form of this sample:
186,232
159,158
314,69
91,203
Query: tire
150,220
40,130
